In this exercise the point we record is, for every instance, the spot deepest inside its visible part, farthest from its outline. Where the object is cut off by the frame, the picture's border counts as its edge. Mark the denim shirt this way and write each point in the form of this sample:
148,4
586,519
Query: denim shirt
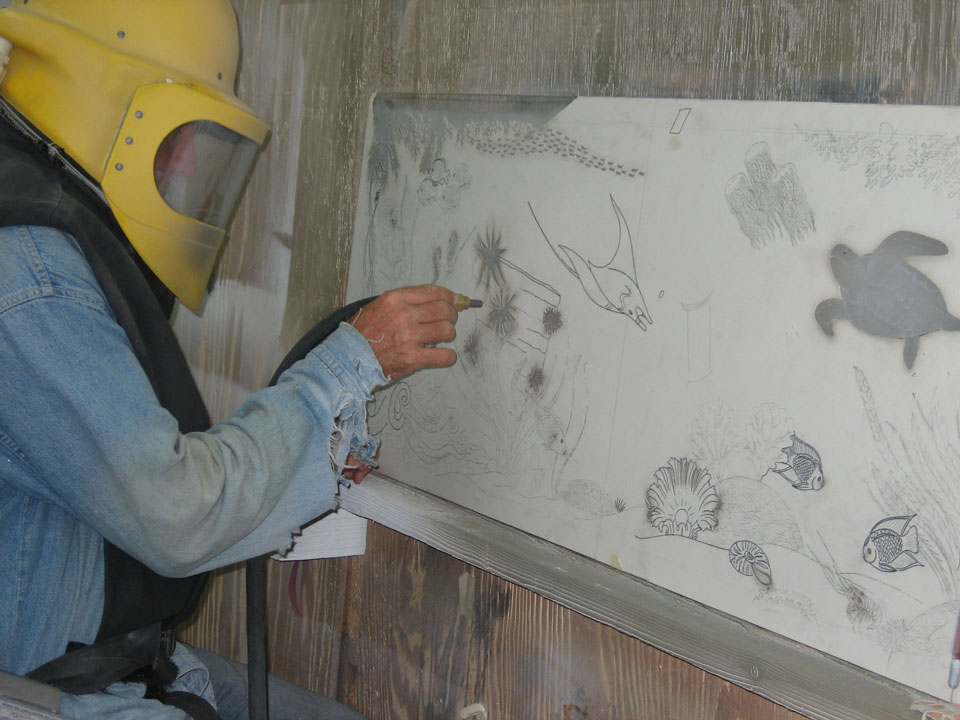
87,452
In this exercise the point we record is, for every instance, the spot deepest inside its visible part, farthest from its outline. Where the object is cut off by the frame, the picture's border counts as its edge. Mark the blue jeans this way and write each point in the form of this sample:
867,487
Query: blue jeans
287,701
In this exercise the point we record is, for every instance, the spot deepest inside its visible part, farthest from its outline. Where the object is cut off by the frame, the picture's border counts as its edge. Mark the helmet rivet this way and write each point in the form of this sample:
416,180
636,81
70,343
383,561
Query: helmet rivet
139,113
121,34
129,141
119,166
219,76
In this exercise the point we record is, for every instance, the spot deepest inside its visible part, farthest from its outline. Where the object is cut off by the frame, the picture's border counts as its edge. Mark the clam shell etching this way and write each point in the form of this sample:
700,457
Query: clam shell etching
682,499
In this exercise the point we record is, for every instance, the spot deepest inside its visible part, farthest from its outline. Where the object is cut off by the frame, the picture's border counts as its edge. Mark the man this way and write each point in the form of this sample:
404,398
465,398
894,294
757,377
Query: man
122,154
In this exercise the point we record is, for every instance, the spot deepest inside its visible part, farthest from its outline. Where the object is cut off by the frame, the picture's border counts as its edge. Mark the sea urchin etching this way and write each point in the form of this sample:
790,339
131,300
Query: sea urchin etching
883,295
748,558
613,285
682,500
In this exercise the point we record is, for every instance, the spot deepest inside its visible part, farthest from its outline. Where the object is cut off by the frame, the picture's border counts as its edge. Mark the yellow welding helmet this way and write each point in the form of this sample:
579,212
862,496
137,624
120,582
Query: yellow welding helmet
140,95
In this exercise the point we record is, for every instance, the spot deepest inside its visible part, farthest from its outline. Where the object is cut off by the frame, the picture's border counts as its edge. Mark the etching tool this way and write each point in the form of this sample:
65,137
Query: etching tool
463,302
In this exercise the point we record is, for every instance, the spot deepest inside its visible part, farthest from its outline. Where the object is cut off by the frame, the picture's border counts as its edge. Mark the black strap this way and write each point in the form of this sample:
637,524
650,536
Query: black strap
89,668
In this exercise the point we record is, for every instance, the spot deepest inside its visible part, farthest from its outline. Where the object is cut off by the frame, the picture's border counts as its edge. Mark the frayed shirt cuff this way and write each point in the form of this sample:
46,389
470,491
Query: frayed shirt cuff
349,357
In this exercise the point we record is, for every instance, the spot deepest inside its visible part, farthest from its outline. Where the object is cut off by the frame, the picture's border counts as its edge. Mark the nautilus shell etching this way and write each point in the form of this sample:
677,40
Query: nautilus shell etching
682,500
748,558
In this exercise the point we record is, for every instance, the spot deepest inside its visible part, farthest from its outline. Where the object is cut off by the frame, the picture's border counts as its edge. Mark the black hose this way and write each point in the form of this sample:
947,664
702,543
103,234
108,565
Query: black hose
257,567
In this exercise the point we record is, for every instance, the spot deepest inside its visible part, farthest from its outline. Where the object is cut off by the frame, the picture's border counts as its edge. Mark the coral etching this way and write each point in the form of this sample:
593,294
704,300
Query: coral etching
682,500
768,200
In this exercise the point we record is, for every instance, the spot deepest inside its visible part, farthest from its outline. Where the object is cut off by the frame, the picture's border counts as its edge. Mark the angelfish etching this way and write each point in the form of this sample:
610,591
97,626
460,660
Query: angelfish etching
881,294
607,286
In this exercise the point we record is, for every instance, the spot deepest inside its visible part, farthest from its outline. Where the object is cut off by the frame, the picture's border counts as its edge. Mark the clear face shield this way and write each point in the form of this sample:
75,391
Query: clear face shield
180,161
200,169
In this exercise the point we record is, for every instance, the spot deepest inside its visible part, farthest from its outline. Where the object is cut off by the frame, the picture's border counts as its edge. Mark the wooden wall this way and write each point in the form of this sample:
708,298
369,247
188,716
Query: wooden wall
405,631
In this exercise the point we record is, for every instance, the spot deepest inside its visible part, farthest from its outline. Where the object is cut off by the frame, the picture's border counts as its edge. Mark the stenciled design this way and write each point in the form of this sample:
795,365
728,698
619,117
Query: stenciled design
881,294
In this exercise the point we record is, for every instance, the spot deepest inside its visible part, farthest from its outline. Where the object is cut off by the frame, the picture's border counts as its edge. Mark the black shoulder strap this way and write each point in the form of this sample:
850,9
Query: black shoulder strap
35,191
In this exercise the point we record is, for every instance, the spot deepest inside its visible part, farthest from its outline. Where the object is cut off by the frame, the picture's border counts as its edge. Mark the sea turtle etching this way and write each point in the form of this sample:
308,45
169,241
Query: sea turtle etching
881,294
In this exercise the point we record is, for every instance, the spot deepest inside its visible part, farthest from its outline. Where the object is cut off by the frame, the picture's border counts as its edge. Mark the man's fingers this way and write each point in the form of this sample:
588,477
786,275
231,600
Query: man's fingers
436,358
437,332
437,310
419,294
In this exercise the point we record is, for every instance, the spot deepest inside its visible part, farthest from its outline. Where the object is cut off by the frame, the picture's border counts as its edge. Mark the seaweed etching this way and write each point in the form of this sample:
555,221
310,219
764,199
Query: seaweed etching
768,200
863,612
917,468
611,286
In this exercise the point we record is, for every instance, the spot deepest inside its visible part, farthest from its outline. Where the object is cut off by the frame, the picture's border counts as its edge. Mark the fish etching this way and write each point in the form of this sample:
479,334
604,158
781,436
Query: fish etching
892,544
883,295
803,468
551,431
607,286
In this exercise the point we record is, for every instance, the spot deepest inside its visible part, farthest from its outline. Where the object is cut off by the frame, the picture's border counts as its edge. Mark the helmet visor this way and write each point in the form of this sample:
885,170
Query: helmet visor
200,169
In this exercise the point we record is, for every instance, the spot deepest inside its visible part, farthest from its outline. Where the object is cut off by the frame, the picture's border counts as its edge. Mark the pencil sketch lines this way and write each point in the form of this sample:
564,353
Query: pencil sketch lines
607,286
889,156
883,295
698,317
679,120
768,199
863,612
542,140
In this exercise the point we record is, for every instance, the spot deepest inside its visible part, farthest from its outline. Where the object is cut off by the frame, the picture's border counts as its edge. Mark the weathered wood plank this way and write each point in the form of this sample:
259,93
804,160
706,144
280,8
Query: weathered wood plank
798,677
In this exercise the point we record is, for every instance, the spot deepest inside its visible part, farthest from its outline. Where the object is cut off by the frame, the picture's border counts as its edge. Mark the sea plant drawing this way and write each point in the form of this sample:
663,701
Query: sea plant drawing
917,467
863,611
768,200
883,295
892,544
611,286
928,162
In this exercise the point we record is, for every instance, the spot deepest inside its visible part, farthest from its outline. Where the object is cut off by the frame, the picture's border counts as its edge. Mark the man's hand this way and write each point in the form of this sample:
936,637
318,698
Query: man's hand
354,470
402,324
